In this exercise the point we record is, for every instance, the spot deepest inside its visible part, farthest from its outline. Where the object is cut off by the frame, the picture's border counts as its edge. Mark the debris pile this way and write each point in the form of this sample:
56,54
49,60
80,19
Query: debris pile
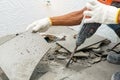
87,56
90,52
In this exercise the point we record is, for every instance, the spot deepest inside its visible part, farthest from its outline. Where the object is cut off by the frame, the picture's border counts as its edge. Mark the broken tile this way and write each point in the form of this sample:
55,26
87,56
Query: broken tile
92,55
111,45
106,42
60,57
81,54
57,48
95,60
99,50
51,57
95,46
3,76
41,69
19,56
69,43
63,50
105,53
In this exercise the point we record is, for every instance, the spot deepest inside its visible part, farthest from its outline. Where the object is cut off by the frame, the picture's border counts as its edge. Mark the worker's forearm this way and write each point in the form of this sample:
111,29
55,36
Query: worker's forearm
116,0
70,19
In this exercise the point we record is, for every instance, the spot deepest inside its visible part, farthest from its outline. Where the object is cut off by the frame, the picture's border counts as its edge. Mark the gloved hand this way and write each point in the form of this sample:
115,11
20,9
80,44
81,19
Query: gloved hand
101,13
41,25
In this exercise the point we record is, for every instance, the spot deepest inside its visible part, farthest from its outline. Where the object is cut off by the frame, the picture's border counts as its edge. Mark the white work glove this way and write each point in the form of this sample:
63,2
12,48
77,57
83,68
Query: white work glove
41,25
101,13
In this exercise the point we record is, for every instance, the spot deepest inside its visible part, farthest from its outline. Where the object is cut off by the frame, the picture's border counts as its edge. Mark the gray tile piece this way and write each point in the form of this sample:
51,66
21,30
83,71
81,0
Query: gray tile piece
3,76
69,43
19,56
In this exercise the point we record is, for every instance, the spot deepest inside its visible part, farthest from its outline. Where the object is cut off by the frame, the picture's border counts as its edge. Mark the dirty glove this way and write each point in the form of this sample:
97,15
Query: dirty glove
101,13
41,25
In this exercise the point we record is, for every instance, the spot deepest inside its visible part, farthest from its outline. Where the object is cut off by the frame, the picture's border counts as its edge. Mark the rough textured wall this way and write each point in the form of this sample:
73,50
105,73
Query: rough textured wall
16,15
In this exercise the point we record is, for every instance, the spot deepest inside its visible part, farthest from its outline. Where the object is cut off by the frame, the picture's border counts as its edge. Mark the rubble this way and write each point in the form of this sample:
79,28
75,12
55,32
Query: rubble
95,60
69,43
96,46
3,76
92,55
81,54
98,50
61,57
41,69
85,55
110,47
66,47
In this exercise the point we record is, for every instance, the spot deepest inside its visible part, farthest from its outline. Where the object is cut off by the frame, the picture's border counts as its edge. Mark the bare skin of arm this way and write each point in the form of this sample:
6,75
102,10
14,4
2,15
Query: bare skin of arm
70,19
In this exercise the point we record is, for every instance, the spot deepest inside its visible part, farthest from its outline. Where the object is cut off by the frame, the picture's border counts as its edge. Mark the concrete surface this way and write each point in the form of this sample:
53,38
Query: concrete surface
99,71
19,56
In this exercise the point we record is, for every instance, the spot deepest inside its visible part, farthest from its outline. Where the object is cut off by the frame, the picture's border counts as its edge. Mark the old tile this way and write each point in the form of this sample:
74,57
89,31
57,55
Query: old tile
95,60
81,54
19,56
60,57
99,50
69,43
111,45
92,55
41,69
105,53
3,76
95,46
51,57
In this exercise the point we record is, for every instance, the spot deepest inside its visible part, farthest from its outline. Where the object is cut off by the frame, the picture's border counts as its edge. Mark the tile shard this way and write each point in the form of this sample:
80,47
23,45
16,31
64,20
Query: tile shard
69,44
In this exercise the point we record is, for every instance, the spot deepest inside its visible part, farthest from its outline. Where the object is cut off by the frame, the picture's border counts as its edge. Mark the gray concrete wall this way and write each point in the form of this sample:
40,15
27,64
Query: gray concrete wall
16,15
